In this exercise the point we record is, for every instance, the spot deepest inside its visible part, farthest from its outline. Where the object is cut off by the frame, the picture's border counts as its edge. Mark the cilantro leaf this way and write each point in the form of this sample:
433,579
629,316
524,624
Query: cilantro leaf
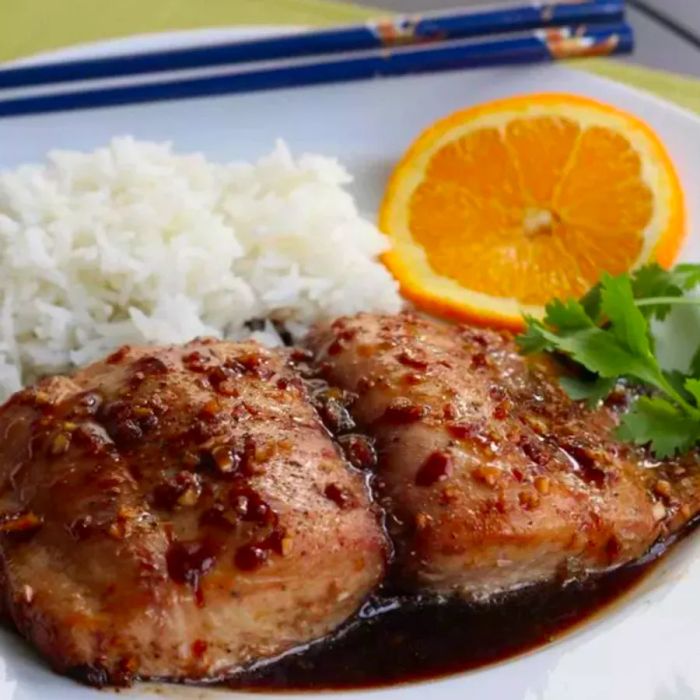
694,369
688,275
567,315
677,380
602,353
657,422
653,281
692,386
627,322
533,340
607,333
592,390
591,303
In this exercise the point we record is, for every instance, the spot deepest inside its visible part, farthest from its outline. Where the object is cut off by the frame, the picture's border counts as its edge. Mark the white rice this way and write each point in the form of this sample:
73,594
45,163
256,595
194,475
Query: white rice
133,243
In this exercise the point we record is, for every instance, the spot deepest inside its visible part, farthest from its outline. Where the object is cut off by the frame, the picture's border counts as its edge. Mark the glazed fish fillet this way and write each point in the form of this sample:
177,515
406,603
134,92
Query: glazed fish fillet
492,477
161,514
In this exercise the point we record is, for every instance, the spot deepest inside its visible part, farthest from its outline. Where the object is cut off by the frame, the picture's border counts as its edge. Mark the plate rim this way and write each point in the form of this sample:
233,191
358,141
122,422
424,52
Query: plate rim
588,626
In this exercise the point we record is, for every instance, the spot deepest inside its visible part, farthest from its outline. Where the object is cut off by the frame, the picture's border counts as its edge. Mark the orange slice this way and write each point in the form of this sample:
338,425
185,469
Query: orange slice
497,209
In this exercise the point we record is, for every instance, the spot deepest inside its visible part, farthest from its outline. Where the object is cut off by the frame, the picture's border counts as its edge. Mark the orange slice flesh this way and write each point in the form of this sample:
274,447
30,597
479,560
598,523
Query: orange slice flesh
497,209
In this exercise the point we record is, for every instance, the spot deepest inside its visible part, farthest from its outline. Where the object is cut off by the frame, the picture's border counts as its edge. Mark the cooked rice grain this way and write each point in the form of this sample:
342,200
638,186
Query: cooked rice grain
133,243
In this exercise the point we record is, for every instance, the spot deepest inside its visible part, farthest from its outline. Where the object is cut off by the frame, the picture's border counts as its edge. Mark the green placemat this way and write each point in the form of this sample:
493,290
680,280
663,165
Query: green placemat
32,26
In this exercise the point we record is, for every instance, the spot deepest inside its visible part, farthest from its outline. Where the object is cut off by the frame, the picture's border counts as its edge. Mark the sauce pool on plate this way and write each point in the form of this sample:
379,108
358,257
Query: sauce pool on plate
398,639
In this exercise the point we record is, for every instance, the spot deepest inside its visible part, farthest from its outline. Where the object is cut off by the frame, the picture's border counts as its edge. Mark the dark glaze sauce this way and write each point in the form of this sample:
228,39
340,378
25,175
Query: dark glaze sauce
402,639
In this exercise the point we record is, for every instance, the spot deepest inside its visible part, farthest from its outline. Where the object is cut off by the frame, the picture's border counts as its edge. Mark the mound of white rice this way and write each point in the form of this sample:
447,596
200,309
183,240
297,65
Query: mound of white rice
133,243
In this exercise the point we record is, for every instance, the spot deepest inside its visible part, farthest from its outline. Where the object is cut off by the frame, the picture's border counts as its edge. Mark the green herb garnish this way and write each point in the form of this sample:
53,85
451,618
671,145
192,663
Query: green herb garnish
608,333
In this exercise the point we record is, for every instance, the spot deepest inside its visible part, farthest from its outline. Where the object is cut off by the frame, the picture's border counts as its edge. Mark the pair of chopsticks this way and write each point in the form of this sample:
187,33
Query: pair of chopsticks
467,38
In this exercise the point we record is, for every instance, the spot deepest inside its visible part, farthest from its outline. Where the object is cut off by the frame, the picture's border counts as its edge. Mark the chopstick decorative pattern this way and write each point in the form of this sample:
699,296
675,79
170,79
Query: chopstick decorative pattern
527,47
388,32
419,28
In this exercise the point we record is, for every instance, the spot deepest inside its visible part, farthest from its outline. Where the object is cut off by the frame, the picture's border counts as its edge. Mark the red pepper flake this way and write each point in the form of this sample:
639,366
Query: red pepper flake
347,334
340,496
412,379
23,522
613,548
401,411
151,365
359,451
436,467
250,506
449,411
500,503
409,359
251,361
199,648
476,337
251,408
497,393
335,348
534,450
301,355
501,410
461,431
126,423
340,324
125,431
188,562
250,557
479,360
253,456
196,362
119,355
223,379
210,410
282,383
184,490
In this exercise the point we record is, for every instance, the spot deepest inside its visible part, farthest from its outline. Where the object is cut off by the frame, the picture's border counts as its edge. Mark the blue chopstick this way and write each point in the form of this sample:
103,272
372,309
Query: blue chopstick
389,32
537,46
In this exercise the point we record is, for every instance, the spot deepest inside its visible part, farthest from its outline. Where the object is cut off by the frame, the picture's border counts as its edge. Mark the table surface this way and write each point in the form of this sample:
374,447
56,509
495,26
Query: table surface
667,31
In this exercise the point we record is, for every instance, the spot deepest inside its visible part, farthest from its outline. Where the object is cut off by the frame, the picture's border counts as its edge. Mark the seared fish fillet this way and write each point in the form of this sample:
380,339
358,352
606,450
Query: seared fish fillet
178,513
493,477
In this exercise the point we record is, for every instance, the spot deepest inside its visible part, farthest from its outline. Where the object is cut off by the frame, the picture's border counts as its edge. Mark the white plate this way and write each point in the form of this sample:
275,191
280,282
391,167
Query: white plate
646,648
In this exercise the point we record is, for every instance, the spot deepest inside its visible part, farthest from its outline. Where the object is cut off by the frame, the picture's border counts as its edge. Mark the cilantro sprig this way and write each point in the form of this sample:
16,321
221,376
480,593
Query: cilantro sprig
608,333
